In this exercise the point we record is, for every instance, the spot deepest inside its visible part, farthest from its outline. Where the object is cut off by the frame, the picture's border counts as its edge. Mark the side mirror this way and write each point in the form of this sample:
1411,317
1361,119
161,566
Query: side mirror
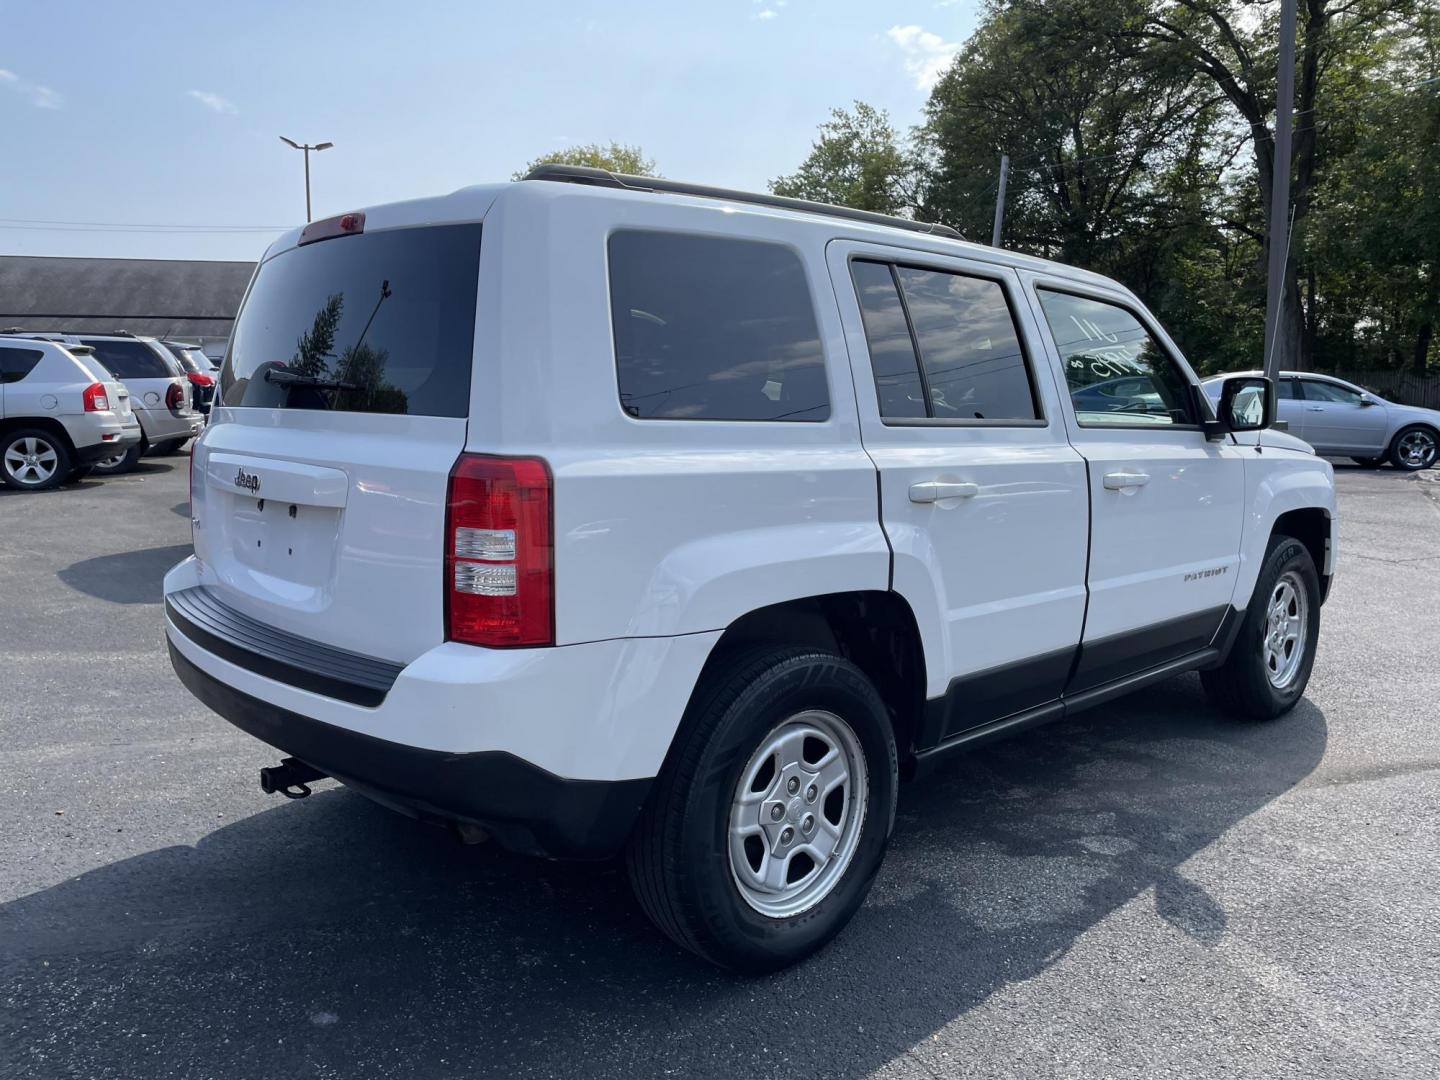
1247,403
1368,399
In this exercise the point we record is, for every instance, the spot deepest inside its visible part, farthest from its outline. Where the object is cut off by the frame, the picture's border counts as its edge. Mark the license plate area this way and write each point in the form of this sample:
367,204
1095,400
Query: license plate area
284,540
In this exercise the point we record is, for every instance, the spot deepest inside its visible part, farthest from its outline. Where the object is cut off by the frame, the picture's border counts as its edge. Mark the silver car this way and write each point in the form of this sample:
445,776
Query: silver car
60,413
159,392
1340,419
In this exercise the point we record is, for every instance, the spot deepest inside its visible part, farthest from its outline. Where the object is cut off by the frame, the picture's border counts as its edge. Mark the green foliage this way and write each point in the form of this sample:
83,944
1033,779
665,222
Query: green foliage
617,158
317,345
856,161
1141,139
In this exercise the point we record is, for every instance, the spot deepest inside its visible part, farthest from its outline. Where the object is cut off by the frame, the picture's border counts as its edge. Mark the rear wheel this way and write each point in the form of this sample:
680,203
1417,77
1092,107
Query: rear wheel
1270,661
170,447
1414,448
771,816
32,459
122,462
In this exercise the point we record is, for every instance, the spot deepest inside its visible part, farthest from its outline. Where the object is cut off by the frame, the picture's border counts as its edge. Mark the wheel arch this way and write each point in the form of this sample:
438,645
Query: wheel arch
876,630
40,423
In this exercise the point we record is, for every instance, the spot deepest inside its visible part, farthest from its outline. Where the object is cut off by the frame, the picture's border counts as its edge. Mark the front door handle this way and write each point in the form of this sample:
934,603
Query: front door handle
1123,481
1314,408
934,490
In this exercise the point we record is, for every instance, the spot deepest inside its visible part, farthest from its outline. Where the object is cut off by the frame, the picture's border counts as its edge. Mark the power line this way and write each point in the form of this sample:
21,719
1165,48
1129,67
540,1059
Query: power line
52,225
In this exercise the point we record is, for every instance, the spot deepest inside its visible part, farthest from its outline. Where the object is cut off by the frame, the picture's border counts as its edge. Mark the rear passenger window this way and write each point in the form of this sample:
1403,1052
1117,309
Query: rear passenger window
131,359
969,349
1116,372
15,364
711,328
892,352
970,365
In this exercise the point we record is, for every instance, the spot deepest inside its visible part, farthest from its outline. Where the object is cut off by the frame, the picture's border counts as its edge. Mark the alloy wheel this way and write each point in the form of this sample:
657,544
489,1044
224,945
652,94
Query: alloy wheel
798,810
1286,627
31,461
1417,449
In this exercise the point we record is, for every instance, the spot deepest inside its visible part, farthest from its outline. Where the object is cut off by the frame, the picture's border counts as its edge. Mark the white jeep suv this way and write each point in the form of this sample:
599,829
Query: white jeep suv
604,514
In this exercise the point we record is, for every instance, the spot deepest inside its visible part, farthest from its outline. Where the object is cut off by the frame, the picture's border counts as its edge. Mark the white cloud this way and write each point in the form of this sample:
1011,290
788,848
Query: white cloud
768,13
214,102
927,54
42,97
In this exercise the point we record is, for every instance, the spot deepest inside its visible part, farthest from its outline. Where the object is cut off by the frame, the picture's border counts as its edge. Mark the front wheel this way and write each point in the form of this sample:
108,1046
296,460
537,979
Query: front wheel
1270,661
771,815
1414,448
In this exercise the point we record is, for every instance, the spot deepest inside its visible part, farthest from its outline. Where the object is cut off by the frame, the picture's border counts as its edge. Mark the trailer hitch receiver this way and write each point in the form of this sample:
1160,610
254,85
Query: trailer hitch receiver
290,778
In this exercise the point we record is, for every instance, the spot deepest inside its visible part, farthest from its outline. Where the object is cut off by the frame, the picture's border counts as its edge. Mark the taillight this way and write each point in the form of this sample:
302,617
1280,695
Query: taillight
96,399
199,378
499,552
174,396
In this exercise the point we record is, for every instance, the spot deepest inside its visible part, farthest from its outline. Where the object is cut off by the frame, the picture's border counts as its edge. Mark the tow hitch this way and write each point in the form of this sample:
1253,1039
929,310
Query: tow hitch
290,778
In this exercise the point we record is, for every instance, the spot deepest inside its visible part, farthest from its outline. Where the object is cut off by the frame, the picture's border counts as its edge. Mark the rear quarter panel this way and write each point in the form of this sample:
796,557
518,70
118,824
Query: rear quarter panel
662,527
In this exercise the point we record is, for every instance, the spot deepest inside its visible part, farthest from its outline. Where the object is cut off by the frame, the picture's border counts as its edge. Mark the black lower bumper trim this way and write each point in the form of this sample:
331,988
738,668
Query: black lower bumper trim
525,807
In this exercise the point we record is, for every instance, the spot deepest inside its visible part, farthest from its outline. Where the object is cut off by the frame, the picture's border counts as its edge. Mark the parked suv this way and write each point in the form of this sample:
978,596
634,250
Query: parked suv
198,371
60,412
605,514
160,393
1344,420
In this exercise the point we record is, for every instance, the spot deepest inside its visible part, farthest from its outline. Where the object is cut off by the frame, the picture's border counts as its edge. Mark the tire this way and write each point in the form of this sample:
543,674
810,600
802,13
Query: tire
170,447
80,472
1369,462
1415,448
120,463
700,887
33,459
1259,679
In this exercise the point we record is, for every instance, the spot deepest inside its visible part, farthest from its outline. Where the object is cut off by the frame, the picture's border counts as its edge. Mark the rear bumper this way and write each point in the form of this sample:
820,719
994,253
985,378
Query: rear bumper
161,424
527,808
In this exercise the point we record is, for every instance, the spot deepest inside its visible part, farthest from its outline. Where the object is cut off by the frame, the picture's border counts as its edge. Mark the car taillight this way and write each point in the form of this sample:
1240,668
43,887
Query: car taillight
174,396
499,552
199,378
96,399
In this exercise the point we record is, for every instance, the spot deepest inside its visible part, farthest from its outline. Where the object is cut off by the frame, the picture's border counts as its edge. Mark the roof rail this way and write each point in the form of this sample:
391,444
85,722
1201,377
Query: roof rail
583,174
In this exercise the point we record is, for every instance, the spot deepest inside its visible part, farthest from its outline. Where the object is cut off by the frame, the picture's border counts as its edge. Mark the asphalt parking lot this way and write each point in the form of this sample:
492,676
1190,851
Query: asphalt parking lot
1151,890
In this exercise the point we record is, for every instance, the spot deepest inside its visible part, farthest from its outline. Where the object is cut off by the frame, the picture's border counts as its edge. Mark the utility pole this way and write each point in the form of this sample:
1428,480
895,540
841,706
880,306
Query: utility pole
1280,190
1000,201
307,147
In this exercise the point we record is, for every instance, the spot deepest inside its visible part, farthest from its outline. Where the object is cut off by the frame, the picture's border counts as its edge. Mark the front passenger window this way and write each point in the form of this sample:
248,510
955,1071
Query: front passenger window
1116,372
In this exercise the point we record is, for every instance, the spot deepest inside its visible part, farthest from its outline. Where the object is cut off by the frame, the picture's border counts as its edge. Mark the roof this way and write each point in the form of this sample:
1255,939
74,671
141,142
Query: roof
164,297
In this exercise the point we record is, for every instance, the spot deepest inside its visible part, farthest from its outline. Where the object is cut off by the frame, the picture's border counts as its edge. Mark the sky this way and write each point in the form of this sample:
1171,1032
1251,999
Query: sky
165,117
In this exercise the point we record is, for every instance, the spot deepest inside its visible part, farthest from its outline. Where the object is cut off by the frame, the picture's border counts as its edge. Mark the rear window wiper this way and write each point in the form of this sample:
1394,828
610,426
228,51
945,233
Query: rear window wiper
290,378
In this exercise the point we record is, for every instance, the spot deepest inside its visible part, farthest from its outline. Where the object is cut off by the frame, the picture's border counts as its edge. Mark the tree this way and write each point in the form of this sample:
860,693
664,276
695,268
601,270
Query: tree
616,158
316,346
857,161
1086,127
1224,42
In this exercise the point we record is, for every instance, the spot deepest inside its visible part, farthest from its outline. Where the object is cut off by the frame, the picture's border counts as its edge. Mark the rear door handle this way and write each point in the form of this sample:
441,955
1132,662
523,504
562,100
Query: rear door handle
1122,481
934,490
1314,408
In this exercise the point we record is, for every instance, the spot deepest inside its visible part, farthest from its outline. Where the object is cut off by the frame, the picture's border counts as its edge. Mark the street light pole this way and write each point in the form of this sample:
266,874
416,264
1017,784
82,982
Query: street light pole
306,147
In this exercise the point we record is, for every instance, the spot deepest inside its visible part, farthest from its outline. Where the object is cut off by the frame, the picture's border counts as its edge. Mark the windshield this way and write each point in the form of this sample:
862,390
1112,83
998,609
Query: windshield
377,322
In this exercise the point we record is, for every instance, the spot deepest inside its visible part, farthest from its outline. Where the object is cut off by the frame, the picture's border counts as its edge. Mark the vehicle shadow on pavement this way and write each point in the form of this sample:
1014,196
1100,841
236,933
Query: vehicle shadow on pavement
331,937
128,577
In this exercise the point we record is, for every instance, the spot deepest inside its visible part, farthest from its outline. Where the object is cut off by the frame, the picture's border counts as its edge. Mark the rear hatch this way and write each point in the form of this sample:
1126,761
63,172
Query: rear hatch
115,391
320,485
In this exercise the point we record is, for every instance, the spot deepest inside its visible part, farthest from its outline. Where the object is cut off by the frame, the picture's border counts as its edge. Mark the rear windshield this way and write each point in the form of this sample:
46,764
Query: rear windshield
378,322
185,356
133,359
